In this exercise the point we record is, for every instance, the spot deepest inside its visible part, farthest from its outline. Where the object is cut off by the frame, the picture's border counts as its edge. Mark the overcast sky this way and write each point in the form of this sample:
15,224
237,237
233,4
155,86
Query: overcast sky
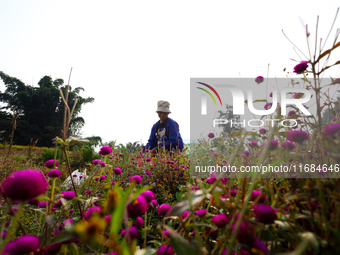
130,54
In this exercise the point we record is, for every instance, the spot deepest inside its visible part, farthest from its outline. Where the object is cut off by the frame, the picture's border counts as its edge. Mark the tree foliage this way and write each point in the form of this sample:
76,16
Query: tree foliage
42,109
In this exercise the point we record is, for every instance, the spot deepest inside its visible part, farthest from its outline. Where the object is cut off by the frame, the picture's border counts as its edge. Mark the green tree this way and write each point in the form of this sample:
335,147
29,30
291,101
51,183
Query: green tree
42,109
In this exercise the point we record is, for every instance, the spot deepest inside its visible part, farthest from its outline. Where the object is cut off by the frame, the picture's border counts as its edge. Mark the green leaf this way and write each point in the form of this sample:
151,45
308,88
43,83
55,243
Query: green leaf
180,245
183,206
63,236
260,100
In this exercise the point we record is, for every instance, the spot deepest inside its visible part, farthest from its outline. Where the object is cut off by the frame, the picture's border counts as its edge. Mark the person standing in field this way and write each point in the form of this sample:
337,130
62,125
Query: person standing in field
165,132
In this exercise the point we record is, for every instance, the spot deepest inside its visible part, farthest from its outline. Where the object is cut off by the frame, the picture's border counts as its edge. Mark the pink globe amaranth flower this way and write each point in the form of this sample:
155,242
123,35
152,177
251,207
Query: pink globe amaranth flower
52,249
147,159
133,233
180,174
259,79
220,220
163,209
138,223
117,171
233,192
245,234
264,213
263,131
137,207
215,154
153,203
22,245
68,195
332,129
273,145
148,195
54,173
255,194
42,204
301,67
246,154
246,101
297,136
32,201
291,113
102,177
137,179
107,219
290,145
211,135
50,163
105,150
267,106
24,185
258,244
185,214
165,249
68,221
91,210
253,144
146,150
201,212
96,161
335,119
166,233
102,163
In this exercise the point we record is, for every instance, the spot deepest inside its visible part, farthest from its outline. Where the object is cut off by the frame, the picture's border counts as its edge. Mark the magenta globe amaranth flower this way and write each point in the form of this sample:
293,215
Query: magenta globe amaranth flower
163,209
301,67
291,113
272,145
138,223
165,250
54,173
68,195
52,249
267,106
245,234
332,129
259,79
96,161
263,131
51,163
91,210
259,245
105,150
297,136
24,185
153,203
185,214
201,212
117,171
148,195
22,245
133,233
290,145
220,220
264,213
253,144
246,154
137,179
255,194
211,135
137,207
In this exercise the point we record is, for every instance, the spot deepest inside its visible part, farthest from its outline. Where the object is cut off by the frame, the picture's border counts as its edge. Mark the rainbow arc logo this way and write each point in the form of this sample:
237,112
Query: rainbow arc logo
207,91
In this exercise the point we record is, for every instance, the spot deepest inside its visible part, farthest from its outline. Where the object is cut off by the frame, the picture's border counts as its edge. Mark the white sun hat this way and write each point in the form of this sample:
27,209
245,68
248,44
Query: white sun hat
163,106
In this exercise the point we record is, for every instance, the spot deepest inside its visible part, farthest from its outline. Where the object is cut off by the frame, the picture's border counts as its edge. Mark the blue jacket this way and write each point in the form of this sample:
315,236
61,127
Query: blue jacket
172,134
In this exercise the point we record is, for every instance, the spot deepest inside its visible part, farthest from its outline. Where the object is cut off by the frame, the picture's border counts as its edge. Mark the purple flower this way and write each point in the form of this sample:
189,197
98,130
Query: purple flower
54,173
107,219
166,233
245,233
32,201
291,113
137,179
290,145
133,233
163,209
137,207
201,212
332,129
268,106
153,203
180,174
117,171
220,220
52,249
258,244
211,135
297,136
255,194
105,150
233,193
263,131
22,245
42,204
259,79
264,213
253,144
147,159
273,145
246,154
102,163
102,177
165,247
96,161
148,195
301,67
68,195
138,223
91,210
335,119
271,94
24,185
50,163
68,221
185,214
